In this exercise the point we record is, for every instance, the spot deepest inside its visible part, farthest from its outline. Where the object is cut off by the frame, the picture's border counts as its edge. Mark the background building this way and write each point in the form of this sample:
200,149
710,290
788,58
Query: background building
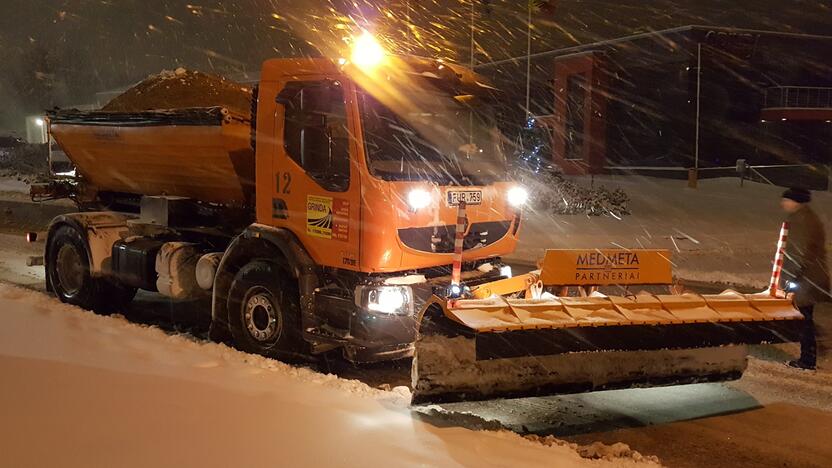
681,98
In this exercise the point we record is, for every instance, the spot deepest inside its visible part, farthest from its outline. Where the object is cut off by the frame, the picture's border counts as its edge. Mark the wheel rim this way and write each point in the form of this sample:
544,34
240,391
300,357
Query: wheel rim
70,269
261,316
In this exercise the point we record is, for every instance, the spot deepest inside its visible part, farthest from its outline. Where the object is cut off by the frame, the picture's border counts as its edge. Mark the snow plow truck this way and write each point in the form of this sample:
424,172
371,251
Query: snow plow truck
363,205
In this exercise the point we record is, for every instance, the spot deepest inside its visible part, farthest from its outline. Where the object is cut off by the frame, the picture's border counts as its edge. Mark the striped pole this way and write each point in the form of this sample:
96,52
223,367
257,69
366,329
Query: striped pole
456,274
778,260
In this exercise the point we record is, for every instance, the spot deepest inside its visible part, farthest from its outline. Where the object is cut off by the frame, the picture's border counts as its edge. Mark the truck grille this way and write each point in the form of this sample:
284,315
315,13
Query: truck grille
440,239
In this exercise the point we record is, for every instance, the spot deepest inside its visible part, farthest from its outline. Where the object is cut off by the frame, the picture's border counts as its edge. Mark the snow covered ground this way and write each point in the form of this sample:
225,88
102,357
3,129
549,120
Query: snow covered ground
85,390
720,232
13,253
12,185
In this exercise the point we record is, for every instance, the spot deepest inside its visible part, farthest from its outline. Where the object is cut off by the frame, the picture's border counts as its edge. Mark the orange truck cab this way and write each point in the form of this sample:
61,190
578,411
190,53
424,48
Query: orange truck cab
370,183
358,172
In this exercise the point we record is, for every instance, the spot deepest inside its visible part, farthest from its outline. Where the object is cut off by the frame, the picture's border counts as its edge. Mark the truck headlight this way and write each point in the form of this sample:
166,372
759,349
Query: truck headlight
418,199
518,196
393,300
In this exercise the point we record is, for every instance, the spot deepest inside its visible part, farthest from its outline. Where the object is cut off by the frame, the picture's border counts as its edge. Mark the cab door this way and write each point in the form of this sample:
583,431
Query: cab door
316,186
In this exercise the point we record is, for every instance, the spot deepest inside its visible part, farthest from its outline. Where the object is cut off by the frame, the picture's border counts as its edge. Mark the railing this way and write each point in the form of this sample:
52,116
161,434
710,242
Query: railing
798,97
811,176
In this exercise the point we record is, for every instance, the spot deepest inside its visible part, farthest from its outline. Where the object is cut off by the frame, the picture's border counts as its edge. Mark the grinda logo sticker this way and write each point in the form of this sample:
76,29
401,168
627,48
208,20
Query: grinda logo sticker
327,218
319,216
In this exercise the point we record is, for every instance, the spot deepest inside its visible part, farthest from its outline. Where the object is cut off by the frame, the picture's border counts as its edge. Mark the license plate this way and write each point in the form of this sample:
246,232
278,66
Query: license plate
470,197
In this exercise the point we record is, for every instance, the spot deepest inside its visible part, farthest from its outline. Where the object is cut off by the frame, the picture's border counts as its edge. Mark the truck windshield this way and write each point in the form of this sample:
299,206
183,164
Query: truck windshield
436,136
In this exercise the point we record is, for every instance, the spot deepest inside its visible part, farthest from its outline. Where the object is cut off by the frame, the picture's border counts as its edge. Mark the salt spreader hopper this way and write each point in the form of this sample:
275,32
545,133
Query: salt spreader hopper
525,336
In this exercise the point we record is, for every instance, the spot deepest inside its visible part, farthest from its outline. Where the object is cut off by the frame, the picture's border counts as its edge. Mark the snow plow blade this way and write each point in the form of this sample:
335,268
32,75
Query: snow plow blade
542,344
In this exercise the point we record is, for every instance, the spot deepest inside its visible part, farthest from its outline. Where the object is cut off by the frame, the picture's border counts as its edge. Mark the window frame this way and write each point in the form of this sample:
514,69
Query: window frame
293,146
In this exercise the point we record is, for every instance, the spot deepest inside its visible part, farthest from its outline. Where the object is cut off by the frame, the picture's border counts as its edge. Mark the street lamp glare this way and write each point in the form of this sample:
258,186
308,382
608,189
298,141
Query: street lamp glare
366,51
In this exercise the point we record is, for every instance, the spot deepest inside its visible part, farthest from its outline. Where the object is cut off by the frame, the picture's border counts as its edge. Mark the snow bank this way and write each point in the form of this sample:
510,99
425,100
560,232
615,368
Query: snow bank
12,184
720,232
86,390
772,382
21,165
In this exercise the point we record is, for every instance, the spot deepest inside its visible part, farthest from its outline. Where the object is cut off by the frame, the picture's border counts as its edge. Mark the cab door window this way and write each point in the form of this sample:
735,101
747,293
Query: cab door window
315,132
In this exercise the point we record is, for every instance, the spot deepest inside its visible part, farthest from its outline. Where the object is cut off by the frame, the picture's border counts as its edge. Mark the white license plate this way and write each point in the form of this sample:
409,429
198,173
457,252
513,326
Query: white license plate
470,197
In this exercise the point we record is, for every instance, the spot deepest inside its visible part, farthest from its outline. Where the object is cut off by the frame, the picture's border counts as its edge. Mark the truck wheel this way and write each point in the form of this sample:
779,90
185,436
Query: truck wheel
68,270
264,312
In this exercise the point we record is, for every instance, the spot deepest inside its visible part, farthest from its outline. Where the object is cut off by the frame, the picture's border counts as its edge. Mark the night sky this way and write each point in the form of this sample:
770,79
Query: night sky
60,52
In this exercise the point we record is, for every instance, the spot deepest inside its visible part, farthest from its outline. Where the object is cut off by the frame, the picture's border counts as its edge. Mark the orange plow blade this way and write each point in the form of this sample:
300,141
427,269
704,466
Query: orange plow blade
502,346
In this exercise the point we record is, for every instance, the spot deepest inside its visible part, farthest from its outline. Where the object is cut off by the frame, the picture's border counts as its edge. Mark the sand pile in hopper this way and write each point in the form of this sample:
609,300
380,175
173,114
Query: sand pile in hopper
180,89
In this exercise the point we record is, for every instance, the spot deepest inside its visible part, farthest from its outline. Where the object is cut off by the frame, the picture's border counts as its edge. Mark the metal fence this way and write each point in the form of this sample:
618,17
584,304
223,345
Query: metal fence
810,176
798,97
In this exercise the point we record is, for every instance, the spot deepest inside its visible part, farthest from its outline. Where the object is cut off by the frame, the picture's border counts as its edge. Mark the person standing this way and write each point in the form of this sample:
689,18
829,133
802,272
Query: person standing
804,268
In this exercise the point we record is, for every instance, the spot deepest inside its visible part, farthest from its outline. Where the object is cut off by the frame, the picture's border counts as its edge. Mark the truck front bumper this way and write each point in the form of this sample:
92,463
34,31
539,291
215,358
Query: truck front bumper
377,336
373,328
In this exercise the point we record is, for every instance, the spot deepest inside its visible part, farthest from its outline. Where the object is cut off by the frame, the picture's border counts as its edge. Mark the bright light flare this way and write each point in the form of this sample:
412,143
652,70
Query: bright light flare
418,199
39,122
455,291
367,52
388,299
518,196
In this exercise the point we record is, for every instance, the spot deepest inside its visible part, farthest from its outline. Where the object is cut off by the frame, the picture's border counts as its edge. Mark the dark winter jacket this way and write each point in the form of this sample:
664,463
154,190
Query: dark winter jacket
805,262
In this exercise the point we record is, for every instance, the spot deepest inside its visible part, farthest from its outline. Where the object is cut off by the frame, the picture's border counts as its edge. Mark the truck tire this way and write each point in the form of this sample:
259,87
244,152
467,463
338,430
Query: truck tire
264,311
68,272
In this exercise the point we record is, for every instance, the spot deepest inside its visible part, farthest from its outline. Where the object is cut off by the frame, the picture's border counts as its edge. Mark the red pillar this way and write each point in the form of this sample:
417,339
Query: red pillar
590,158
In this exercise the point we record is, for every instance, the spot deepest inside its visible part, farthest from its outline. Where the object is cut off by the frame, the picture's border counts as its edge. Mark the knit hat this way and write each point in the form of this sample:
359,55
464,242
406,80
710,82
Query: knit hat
799,195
